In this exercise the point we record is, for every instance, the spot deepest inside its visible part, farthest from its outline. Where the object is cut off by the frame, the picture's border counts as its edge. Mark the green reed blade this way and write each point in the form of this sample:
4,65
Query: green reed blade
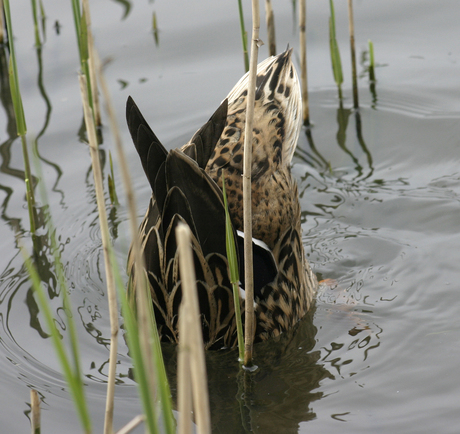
43,19
156,33
244,36
111,183
234,277
140,370
371,62
71,375
13,73
20,117
128,305
334,49
38,42
76,9
75,382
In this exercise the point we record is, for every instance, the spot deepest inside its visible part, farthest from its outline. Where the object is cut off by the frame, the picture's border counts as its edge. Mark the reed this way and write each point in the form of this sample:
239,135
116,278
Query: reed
90,71
111,183
35,422
82,22
270,19
2,24
234,275
106,246
247,203
303,61
70,363
155,31
371,62
244,36
38,41
20,119
146,387
134,423
191,341
335,53
351,28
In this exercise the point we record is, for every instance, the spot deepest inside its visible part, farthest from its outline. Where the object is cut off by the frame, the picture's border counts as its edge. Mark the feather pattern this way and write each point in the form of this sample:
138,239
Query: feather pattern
186,187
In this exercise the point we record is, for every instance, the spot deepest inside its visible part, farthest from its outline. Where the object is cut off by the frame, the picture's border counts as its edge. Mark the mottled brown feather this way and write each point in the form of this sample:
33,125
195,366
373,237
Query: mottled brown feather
276,210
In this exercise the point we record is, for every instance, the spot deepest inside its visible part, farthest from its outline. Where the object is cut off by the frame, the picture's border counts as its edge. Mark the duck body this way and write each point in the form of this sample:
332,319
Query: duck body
187,186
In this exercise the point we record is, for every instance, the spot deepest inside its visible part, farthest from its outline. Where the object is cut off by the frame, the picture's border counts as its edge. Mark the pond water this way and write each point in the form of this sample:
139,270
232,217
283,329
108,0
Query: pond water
379,352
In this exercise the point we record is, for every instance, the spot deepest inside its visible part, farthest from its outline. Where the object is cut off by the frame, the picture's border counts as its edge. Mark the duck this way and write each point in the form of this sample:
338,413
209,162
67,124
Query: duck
187,188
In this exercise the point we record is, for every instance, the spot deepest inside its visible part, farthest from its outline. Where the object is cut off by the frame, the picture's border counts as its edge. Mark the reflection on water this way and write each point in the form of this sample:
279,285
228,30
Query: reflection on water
277,396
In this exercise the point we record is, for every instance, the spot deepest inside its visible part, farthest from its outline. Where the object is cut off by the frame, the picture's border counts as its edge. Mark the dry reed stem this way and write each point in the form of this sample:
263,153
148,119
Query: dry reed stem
35,409
184,386
113,306
113,309
131,425
303,61
270,28
192,343
91,65
351,28
139,267
247,203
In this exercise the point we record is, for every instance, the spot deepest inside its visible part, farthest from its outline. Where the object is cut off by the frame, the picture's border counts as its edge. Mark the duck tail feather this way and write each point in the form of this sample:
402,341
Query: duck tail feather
151,152
206,138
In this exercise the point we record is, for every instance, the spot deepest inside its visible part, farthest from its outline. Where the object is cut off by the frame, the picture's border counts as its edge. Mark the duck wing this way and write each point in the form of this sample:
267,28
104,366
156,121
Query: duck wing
183,192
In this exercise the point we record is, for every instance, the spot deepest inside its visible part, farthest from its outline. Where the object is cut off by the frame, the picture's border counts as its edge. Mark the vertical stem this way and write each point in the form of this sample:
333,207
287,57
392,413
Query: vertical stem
371,61
35,409
247,202
353,54
303,61
244,37
2,24
92,82
113,309
139,267
29,187
193,341
270,28
184,392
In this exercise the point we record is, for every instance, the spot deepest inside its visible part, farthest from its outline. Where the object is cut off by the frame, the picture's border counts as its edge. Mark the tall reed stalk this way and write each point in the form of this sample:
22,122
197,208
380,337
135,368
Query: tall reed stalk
90,70
270,18
35,423
38,41
150,338
244,36
303,61
191,342
247,202
371,62
82,22
335,53
20,119
2,24
354,74
70,365
234,275
106,246
70,362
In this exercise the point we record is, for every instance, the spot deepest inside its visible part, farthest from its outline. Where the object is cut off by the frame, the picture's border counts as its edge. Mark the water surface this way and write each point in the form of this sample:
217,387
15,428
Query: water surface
380,205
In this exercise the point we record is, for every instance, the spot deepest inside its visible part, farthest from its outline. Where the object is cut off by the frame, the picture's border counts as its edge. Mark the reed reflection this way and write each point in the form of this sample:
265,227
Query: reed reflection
278,394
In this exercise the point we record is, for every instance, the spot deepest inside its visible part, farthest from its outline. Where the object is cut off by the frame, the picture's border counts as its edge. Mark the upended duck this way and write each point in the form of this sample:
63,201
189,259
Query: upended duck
187,187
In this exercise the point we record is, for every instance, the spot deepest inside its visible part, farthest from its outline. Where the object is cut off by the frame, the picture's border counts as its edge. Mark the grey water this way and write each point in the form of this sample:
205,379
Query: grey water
380,194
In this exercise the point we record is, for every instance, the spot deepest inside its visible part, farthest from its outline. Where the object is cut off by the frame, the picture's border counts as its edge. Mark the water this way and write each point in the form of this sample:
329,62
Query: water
379,351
